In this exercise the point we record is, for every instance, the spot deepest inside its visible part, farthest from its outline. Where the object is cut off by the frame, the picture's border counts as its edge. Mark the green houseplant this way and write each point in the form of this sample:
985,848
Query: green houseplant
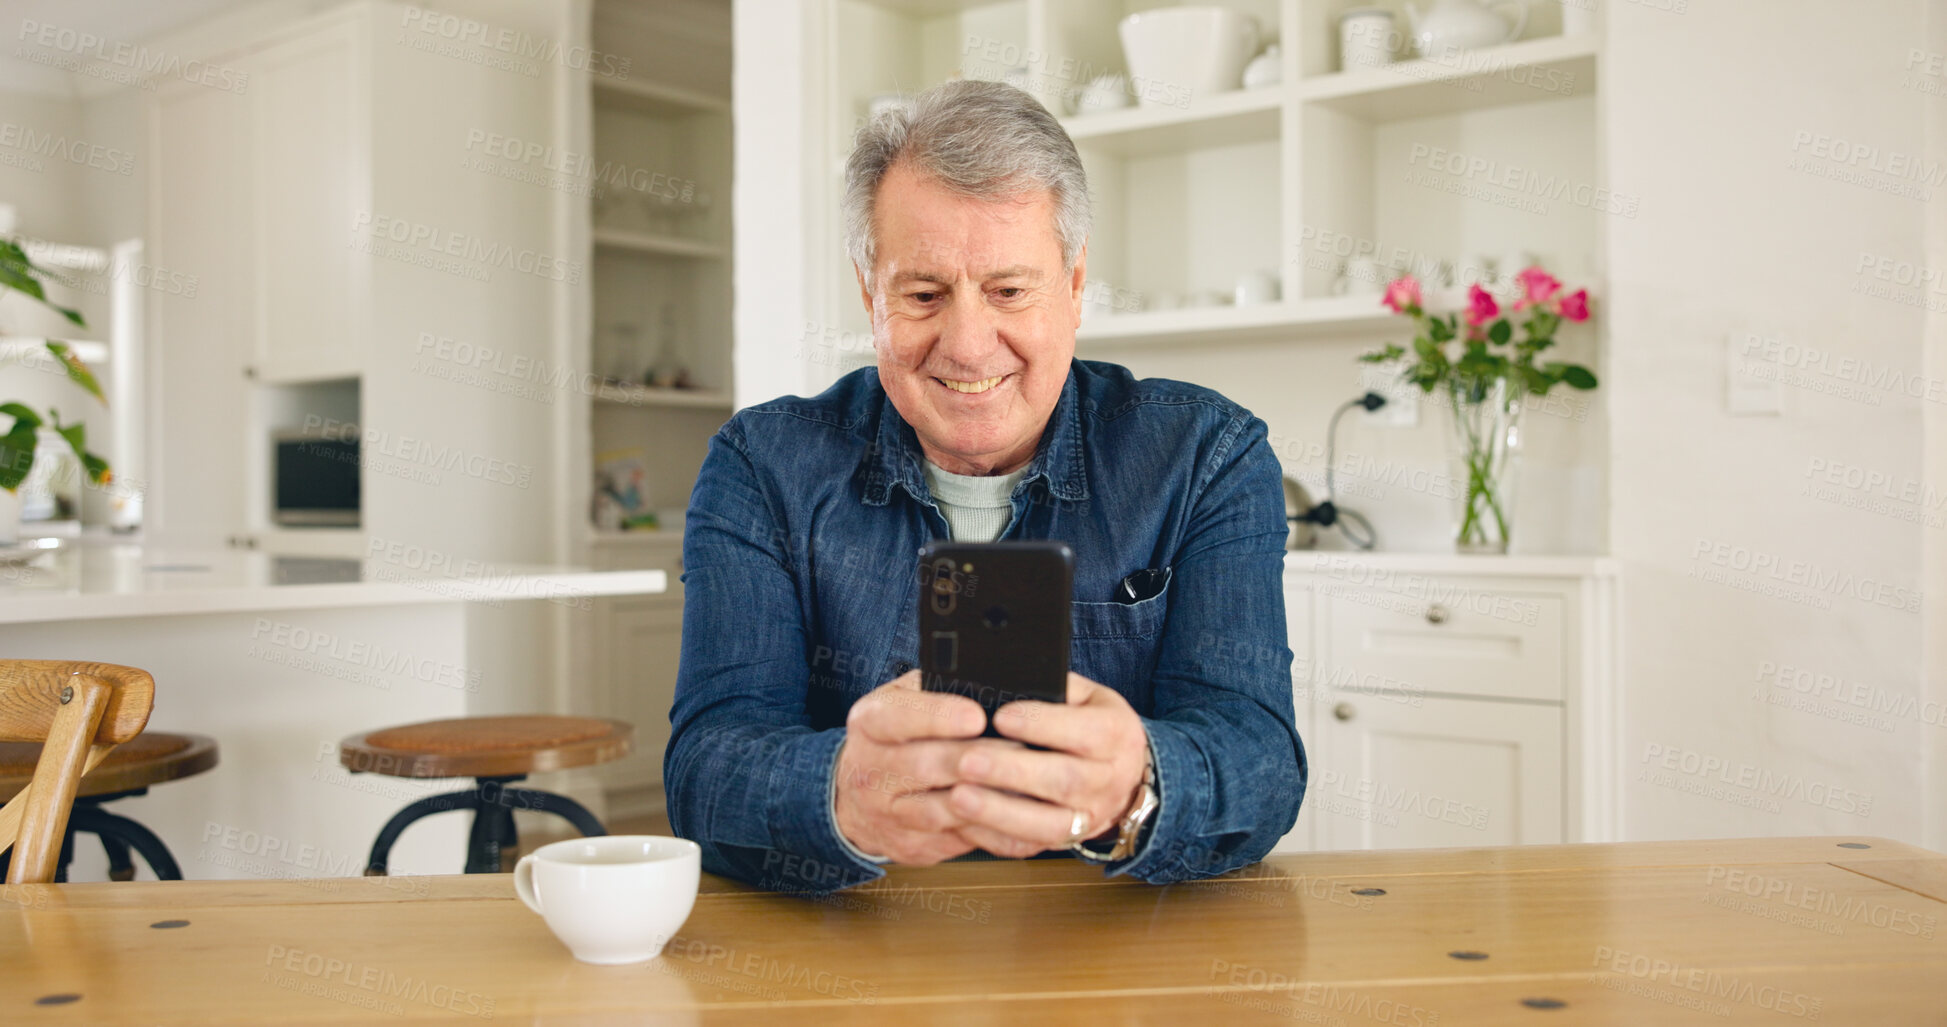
1485,362
19,443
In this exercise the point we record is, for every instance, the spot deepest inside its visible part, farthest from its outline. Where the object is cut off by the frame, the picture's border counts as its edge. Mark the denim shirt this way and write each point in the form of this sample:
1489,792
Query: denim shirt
801,591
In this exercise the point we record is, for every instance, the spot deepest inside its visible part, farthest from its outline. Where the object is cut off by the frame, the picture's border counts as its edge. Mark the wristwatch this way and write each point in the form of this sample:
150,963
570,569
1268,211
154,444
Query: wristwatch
1133,822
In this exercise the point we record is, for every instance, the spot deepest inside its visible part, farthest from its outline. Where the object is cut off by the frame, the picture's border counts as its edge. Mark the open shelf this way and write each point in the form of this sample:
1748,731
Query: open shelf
652,396
1227,119
1548,68
1338,315
650,242
653,99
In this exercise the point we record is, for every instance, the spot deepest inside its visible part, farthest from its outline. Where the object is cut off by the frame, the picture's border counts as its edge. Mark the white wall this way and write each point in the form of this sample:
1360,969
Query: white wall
1738,235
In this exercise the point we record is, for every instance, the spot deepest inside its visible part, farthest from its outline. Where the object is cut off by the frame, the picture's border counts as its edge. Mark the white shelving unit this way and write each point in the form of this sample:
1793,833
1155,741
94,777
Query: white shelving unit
1190,198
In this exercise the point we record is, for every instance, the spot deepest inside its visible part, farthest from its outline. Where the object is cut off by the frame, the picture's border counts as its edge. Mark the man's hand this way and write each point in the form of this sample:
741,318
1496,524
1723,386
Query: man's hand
902,747
1094,766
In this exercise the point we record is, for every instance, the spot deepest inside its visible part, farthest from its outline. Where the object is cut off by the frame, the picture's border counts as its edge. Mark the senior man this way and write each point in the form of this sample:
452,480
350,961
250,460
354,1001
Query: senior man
803,753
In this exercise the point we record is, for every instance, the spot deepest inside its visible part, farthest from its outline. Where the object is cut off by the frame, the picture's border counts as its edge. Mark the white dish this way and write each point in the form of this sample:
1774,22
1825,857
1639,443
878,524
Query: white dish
1180,55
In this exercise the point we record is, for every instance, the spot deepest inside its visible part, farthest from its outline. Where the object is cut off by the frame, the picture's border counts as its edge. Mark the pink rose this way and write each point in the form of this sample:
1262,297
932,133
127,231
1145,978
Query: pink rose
1536,287
1575,305
1481,307
1403,293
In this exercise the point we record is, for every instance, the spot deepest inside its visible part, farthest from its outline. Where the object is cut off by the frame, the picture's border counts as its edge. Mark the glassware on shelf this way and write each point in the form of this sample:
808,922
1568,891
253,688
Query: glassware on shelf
619,359
664,372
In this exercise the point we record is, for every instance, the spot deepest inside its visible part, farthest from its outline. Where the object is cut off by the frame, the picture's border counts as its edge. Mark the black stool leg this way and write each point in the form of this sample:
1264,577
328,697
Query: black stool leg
493,824
426,807
559,805
118,832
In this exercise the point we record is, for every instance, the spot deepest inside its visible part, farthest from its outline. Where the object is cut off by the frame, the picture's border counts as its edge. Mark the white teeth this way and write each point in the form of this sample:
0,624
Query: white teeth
980,386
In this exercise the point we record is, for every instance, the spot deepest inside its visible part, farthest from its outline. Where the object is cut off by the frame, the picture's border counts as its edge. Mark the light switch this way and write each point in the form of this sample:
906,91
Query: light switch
1751,386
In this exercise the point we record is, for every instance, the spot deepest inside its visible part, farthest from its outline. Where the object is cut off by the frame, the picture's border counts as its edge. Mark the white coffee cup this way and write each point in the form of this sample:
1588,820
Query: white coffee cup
613,899
1365,38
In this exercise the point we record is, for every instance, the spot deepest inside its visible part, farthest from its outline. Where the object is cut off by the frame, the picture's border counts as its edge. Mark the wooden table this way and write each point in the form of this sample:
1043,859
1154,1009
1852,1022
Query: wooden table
1821,930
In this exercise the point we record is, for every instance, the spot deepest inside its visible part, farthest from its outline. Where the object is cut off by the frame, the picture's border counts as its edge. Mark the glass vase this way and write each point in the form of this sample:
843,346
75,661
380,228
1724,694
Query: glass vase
1485,447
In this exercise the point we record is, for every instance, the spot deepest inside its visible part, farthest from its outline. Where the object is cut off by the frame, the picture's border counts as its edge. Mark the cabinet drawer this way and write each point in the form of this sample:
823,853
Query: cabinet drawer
1443,639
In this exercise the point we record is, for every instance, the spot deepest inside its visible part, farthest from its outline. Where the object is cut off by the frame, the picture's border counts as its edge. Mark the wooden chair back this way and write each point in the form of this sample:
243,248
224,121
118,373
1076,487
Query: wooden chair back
80,711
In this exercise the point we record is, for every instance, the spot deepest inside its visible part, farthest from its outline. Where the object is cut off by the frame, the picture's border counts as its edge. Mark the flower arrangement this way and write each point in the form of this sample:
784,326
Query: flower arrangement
1487,360
1490,348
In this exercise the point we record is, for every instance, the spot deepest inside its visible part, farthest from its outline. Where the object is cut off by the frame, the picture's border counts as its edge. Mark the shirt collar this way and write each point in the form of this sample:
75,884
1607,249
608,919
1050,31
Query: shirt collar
895,457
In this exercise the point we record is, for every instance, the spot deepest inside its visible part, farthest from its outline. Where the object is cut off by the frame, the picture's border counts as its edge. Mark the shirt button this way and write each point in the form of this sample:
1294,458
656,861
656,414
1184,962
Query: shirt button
900,667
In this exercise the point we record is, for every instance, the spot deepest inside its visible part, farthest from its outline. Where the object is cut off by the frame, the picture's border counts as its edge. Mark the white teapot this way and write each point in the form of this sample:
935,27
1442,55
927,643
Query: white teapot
1463,25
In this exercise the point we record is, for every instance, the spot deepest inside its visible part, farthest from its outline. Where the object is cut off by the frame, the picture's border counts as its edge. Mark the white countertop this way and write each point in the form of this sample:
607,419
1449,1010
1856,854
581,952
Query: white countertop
104,578
1453,564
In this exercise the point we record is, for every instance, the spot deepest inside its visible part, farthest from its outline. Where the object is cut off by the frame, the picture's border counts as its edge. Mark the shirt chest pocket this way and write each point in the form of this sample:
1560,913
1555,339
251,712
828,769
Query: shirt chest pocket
1117,644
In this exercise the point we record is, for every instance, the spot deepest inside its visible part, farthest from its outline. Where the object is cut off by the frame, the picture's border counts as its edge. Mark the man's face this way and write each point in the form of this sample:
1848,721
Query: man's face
973,319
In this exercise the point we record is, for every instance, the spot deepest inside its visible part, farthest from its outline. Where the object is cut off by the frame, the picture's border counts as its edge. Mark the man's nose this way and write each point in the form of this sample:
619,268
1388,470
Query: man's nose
969,331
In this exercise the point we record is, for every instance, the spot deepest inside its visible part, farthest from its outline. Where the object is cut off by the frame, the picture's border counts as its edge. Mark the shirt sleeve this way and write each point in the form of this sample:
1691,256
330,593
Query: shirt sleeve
747,777
1230,768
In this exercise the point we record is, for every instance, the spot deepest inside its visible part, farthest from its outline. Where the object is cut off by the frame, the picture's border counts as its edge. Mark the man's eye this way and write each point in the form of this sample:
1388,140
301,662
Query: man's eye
1011,292
923,297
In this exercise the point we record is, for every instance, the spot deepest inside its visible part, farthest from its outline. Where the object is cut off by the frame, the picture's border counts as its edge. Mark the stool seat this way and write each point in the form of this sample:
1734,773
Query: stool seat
487,746
149,758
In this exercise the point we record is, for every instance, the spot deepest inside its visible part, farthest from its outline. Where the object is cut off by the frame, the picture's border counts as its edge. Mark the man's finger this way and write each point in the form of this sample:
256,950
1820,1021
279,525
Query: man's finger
1055,777
1030,820
999,844
1085,728
912,767
896,712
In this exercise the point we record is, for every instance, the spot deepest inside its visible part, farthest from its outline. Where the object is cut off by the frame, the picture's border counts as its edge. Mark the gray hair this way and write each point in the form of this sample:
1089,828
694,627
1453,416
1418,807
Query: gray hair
986,140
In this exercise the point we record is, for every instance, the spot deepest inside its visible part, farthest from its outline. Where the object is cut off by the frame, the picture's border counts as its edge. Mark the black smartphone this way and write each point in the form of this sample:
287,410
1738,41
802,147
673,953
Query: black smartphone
994,621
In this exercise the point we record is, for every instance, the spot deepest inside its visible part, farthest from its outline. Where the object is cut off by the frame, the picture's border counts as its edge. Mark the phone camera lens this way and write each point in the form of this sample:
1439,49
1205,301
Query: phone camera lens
995,617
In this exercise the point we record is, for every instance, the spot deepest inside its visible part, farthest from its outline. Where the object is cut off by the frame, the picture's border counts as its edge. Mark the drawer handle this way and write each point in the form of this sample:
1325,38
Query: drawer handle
1344,711
1436,614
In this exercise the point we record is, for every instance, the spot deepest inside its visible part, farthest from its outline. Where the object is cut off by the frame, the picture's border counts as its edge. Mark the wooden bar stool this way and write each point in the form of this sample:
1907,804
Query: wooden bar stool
150,758
494,751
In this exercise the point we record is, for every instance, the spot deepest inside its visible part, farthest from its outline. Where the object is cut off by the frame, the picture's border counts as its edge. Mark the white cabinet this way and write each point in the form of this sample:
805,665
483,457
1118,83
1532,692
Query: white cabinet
1449,701
307,146
636,645
1402,772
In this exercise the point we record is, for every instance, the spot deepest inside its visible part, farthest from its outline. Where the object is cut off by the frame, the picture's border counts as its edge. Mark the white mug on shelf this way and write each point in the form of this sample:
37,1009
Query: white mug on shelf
1578,17
1257,287
1364,276
1366,38
614,899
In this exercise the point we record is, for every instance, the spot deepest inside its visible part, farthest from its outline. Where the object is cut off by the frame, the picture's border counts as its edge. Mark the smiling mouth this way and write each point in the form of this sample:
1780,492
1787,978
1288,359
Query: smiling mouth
982,385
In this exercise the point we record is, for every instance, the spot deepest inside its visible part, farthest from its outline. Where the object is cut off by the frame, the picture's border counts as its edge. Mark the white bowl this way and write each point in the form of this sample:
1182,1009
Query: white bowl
1179,55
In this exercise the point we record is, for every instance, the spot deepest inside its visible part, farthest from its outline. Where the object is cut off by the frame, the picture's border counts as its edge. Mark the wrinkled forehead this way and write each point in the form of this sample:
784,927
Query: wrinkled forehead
942,234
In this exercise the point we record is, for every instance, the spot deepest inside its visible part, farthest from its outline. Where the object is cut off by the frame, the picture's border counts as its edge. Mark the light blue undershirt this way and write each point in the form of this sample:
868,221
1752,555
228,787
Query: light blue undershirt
976,508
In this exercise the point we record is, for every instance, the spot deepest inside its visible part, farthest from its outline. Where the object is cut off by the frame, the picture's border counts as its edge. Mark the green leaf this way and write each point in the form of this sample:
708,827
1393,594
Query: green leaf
1578,377
78,371
19,274
1440,328
21,415
1500,331
98,471
17,454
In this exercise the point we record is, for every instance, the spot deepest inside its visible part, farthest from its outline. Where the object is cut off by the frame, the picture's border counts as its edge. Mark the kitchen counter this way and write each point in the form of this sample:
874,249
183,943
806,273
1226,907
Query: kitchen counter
99,578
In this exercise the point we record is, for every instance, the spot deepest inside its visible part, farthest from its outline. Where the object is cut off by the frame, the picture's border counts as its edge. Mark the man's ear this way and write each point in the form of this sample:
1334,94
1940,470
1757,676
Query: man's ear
1078,282
865,294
